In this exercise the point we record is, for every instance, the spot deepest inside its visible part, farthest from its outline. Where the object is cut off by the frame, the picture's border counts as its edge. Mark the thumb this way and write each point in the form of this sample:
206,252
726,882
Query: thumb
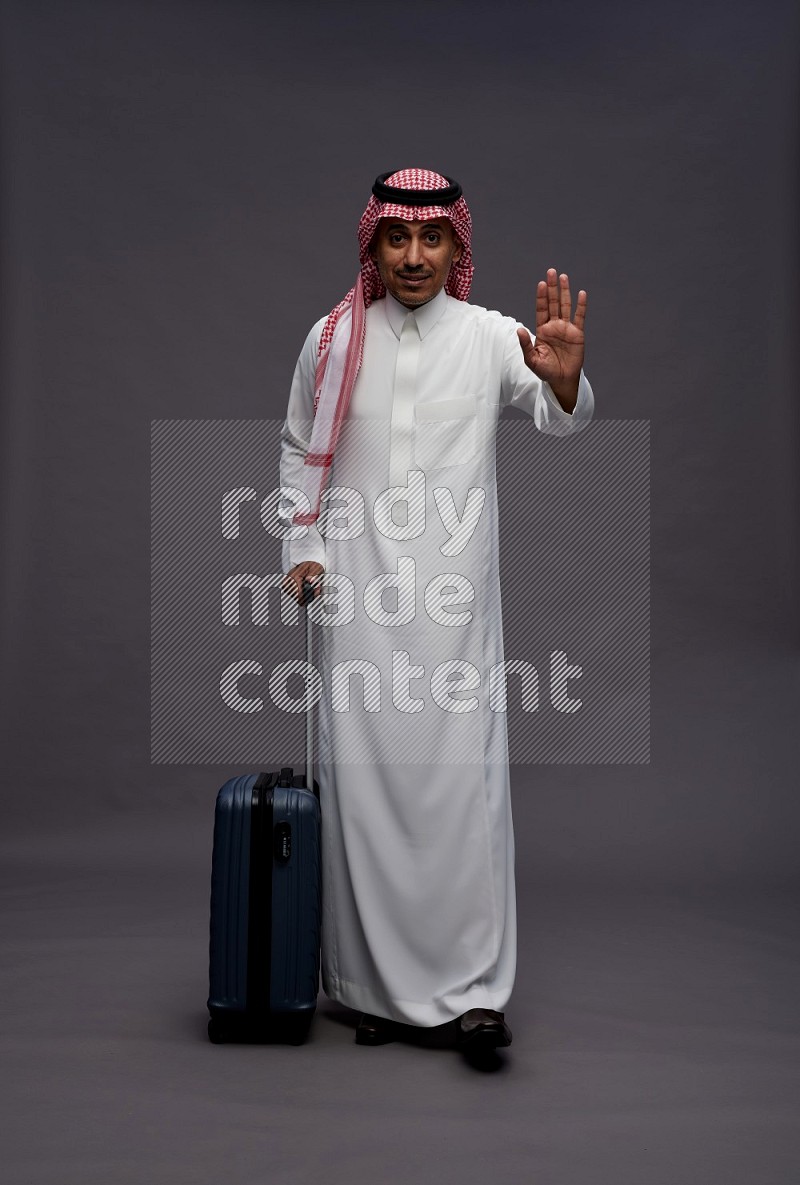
526,342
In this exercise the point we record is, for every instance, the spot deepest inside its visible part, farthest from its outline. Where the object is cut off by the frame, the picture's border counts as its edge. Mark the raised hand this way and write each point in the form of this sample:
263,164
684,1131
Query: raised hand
556,356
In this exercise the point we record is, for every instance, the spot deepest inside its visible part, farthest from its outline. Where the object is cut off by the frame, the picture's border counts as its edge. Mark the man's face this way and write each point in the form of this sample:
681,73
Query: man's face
414,258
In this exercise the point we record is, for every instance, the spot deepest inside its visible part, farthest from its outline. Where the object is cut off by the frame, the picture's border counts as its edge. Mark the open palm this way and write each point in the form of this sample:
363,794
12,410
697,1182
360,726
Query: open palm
556,356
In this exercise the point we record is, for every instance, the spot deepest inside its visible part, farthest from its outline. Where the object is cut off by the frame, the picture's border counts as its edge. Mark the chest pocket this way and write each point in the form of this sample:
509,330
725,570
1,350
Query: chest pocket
446,432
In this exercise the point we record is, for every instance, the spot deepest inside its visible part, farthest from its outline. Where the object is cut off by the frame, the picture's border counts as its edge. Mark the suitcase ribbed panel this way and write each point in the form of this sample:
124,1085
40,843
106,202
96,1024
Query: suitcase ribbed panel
296,904
230,878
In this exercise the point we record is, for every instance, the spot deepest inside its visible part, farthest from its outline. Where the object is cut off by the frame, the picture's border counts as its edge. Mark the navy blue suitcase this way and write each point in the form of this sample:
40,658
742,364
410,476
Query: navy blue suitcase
266,904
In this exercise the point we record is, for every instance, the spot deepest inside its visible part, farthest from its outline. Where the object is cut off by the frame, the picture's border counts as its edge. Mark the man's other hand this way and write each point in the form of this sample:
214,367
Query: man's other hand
308,570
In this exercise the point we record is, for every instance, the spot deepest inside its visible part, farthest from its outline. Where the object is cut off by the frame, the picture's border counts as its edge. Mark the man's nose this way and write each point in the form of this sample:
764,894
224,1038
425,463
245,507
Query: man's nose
413,253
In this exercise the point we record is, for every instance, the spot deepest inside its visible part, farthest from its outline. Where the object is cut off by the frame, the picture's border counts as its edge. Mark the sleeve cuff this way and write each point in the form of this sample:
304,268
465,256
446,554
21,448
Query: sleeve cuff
311,547
580,415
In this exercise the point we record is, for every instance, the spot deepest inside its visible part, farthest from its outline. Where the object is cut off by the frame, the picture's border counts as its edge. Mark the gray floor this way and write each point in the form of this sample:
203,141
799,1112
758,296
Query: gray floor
655,1040
655,1014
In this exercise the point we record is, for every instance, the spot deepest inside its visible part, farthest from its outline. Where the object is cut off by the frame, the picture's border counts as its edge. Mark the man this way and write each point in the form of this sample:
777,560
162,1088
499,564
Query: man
393,410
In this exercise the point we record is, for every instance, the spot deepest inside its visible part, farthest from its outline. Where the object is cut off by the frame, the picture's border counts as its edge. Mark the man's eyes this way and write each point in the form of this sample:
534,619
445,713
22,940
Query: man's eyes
432,239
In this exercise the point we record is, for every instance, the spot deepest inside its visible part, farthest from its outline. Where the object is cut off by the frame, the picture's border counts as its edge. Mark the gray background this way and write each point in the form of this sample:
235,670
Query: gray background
180,189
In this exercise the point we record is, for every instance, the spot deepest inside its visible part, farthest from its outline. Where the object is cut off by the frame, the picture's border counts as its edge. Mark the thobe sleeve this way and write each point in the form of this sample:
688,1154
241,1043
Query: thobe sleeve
295,440
521,388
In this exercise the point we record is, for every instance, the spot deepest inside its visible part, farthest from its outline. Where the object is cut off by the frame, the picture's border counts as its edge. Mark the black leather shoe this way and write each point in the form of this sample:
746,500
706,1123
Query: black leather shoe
482,1029
374,1030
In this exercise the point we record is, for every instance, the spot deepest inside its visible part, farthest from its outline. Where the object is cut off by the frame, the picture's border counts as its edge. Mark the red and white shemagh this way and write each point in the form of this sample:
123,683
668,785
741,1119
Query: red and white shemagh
341,346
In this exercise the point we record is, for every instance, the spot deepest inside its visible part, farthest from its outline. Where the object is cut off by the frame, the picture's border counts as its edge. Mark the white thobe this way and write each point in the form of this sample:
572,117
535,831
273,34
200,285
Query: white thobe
419,914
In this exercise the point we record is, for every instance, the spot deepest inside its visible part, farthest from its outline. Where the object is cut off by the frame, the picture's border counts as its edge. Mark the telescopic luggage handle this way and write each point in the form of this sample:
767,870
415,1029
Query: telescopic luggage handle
306,597
307,594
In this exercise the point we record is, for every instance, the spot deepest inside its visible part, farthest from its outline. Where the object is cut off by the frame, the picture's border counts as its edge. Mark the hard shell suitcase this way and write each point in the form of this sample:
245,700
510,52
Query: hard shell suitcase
266,902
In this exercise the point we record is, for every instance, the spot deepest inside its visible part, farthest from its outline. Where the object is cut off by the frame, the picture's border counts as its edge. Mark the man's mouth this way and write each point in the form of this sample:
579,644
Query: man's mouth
413,279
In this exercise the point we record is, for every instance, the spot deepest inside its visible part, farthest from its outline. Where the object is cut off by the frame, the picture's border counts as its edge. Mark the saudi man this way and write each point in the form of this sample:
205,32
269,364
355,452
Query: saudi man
390,507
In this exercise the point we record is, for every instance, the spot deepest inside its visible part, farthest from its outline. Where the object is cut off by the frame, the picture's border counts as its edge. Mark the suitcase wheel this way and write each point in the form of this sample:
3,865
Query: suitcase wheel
216,1032
295,1030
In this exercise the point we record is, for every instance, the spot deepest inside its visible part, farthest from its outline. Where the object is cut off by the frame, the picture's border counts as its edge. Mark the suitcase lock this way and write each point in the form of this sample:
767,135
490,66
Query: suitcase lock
283,842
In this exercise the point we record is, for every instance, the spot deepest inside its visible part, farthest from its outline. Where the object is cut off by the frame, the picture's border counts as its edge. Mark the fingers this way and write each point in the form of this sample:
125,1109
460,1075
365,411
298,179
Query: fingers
553,304
580,310
530,352
565,296
293,580
526,341
542,314
292,584
554,300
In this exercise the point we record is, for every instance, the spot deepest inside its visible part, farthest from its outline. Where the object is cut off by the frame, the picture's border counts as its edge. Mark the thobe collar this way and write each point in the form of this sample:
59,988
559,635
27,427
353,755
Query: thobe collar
426,315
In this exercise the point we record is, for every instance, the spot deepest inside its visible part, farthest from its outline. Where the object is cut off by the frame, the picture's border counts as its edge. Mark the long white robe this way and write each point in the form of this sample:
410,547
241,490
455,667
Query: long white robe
419,914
